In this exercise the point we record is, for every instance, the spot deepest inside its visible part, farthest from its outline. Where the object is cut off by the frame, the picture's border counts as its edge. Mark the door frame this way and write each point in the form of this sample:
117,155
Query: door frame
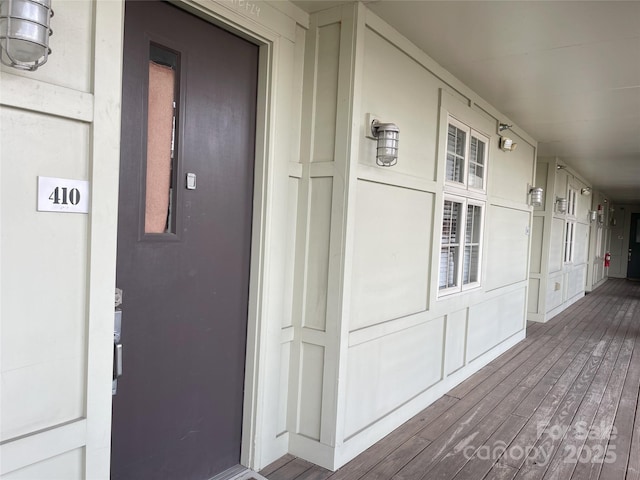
256,346
265,40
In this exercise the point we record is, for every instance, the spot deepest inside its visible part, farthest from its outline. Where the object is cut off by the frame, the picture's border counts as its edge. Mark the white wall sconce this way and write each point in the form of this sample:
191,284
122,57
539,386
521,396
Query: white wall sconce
507,145
387,135
25,32
561,204
536,196
586,191
593,215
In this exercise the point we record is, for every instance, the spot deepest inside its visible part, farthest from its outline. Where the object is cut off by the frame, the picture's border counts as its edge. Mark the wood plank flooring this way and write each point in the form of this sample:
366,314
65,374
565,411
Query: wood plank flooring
562,404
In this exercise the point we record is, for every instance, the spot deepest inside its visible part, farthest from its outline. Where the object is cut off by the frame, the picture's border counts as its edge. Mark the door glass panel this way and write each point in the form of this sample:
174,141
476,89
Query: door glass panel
161,134
638,231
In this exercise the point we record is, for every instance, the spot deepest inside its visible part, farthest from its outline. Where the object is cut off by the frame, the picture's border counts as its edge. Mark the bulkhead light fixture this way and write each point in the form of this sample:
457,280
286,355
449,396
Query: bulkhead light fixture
585,191
25,32
561,204
387,135
536,196
507,145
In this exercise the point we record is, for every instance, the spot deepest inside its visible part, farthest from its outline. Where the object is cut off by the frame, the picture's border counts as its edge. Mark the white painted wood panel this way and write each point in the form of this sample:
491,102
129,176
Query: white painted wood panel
391,253
534,295
576,280
385,373
409,99
455,341
537,238
328,38
68,466
581,248
318,252
506,246
292,226
554,293
494,321
310,394
44,275
510,172
556,245
283,404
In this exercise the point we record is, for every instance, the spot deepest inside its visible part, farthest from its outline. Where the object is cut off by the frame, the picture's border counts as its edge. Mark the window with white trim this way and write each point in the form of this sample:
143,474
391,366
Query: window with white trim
463,208
570,225
572,201
466,156
460,248
569,241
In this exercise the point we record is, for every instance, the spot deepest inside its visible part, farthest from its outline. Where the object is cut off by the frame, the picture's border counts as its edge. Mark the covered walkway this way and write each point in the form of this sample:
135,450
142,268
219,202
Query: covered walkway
561,404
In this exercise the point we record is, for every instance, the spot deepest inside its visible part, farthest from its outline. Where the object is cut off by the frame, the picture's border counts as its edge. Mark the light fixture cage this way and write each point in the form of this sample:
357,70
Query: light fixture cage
537,194
388,138
24,33
561,204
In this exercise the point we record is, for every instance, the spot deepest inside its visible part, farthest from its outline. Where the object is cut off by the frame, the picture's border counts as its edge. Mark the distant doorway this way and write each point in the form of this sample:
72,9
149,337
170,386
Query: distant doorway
633,265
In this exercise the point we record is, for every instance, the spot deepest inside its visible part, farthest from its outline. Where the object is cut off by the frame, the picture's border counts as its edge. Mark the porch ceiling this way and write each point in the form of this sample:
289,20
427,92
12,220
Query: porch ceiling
566,72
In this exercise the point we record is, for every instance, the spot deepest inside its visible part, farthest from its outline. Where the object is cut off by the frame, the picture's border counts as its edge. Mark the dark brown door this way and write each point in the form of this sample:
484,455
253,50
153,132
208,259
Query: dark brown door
186,190
633,265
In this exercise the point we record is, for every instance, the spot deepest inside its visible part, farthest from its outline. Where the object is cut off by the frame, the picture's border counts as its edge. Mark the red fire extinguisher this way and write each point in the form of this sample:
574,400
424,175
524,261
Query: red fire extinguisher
607,259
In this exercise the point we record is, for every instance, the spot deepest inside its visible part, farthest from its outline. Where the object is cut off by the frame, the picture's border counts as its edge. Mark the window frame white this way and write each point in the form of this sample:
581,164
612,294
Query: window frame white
572,201
460,286
463,187
480,243
466,195
570,226
569,241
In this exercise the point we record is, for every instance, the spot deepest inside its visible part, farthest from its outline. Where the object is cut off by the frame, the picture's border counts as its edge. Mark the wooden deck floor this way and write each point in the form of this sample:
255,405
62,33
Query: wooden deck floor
561,404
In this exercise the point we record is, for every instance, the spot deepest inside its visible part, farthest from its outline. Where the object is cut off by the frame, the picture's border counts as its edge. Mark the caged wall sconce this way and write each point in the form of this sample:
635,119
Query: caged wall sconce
561,205
536,196
387,136
586,191
25,32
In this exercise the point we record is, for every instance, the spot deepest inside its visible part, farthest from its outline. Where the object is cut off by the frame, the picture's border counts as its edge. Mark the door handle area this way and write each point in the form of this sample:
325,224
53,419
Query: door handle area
117,351
117,360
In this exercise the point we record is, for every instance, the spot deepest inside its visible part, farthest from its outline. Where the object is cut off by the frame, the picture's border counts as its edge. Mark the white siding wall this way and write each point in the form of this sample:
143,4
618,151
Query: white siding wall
555,283
368,318
58,269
